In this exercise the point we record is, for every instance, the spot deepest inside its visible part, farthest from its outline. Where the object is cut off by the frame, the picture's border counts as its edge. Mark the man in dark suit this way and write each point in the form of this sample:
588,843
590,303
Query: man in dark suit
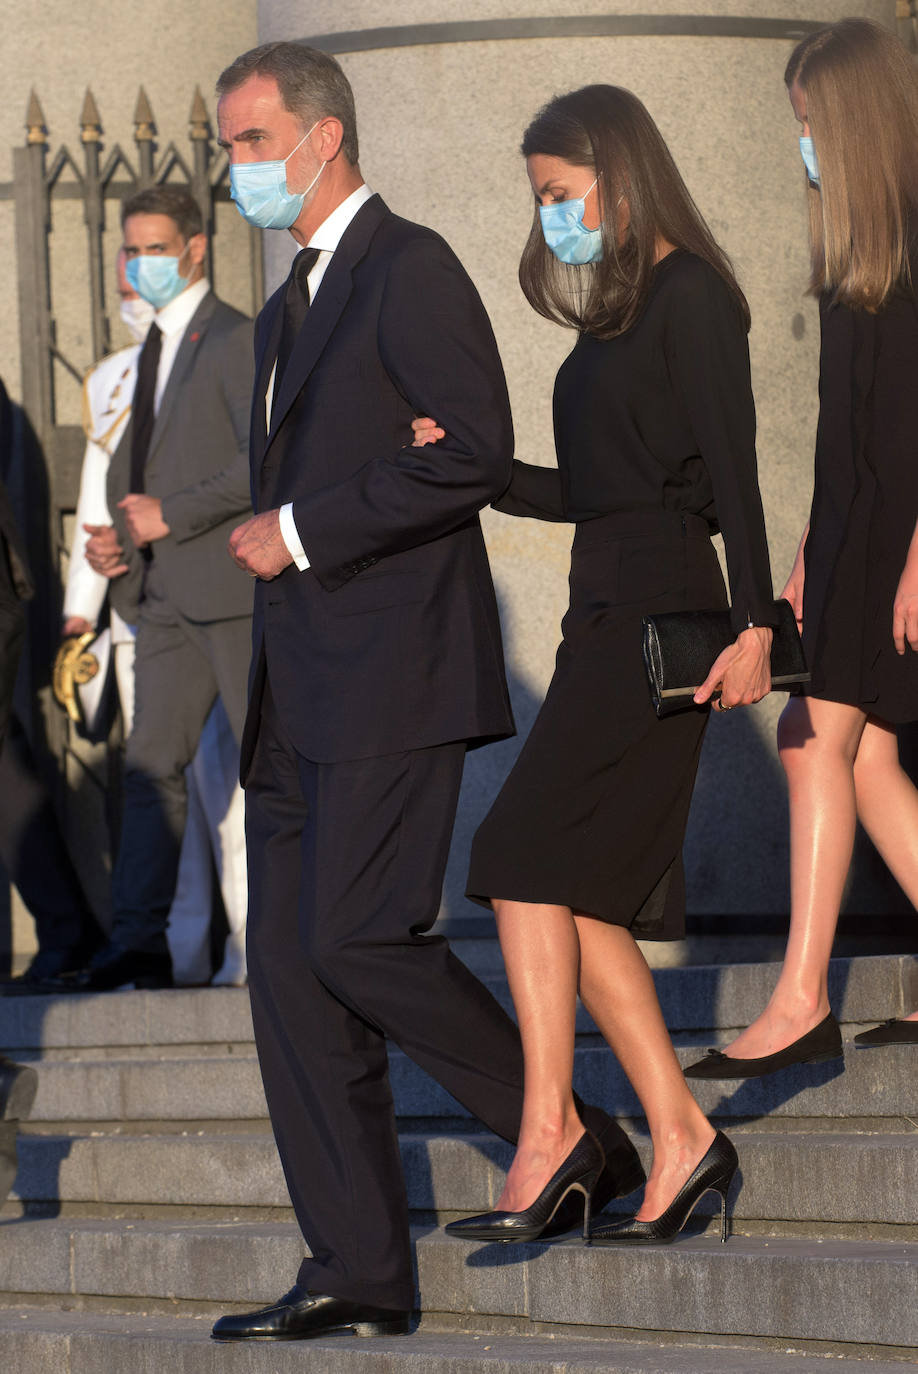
179,483
377,662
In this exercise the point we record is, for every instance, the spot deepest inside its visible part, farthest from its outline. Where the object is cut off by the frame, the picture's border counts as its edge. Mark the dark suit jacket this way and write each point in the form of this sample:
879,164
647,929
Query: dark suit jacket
198,464
391,640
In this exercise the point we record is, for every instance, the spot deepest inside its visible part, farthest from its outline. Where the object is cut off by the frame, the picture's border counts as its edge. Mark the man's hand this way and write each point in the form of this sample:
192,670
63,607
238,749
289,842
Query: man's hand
258,546
144,517
75,625
103,552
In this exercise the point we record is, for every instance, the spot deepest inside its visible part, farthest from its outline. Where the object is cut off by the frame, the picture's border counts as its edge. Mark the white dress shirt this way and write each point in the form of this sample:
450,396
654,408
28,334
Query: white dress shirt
326,239
173,319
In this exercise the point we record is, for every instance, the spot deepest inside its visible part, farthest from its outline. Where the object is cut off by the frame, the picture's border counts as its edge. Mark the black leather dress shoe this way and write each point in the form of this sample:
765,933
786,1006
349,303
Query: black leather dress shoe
50,966
112,966
301,1316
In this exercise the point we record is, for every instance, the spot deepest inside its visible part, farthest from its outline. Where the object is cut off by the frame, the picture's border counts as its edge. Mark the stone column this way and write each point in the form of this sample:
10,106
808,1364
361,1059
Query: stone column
442,102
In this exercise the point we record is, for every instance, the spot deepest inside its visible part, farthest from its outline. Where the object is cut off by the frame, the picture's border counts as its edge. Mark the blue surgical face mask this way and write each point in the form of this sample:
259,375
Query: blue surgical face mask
566,234
810,162
260,190
156,278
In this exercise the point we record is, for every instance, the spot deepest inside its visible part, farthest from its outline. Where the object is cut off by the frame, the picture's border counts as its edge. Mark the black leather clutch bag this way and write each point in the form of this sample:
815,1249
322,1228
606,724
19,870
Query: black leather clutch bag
680,647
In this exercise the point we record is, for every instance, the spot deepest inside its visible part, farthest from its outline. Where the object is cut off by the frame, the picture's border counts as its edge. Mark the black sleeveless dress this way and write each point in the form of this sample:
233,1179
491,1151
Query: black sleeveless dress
655,437
865,504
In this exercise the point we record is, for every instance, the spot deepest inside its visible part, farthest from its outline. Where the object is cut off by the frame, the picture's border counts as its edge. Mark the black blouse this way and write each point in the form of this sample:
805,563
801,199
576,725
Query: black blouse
662,417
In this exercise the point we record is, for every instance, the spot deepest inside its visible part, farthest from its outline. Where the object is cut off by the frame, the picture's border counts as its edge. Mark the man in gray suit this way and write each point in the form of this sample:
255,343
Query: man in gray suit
179,482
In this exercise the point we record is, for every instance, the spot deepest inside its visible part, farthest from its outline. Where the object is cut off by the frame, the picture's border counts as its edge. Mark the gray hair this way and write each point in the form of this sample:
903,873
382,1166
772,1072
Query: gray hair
311,83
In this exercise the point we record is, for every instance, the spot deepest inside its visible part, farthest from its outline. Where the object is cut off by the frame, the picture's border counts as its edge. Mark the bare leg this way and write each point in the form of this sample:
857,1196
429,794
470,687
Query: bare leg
817,742
542,955
544,948
617,989
887,806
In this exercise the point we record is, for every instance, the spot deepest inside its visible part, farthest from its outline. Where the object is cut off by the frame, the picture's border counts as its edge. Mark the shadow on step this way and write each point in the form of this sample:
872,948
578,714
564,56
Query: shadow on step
38,1179
754,1098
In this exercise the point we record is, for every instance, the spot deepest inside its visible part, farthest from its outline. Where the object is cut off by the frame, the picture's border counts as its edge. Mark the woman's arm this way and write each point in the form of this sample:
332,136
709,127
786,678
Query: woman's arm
534,492
793,587
708,356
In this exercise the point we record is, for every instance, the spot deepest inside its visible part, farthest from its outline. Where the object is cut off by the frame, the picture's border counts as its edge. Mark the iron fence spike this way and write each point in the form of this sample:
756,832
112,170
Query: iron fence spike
35,120
144,122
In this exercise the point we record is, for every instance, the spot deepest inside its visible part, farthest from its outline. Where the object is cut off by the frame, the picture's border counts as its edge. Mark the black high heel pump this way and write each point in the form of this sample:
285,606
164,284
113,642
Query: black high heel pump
714,1174
578,1174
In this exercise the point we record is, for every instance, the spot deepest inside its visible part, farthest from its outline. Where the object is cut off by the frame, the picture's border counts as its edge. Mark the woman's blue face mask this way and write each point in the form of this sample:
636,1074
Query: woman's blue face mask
810,161
565,232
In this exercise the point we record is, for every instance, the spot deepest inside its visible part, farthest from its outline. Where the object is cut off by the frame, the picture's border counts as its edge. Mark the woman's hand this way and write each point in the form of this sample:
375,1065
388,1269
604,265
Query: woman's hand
741,674
905,607
793,588
426,431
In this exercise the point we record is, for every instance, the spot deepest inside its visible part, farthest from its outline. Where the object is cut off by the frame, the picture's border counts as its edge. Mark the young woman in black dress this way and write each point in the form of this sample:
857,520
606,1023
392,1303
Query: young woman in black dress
581,852
854,584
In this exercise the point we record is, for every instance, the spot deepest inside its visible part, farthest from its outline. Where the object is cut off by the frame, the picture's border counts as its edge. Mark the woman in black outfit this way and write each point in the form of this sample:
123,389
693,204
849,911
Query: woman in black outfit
854,585
581,852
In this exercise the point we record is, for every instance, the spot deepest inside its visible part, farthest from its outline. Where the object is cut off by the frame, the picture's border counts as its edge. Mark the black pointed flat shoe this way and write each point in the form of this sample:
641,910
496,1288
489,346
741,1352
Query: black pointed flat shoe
714,1174
892,1032
819,1045
578,1174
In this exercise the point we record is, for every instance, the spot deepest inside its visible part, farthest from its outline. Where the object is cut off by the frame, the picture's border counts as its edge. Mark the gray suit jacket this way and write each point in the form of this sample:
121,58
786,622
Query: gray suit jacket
198,466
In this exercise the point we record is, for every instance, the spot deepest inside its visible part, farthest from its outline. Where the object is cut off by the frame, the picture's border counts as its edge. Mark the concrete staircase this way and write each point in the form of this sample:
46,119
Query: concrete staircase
150,1199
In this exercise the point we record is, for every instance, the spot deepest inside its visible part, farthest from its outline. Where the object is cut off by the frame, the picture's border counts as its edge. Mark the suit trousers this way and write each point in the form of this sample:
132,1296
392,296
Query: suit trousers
180,668
346,864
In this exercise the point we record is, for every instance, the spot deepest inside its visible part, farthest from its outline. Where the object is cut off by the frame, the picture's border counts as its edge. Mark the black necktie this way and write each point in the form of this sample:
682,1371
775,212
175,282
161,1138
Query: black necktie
296,304
142,414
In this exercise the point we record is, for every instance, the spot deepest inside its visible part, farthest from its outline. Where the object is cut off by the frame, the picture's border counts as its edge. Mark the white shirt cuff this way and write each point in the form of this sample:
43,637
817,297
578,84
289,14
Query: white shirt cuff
291,538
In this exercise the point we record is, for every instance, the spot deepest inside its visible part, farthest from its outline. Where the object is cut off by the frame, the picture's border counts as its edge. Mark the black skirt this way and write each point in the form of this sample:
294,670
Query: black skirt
593,813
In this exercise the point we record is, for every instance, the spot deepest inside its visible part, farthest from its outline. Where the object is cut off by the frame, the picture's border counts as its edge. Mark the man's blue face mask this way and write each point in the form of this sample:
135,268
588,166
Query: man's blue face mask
566,234
156,278
260,190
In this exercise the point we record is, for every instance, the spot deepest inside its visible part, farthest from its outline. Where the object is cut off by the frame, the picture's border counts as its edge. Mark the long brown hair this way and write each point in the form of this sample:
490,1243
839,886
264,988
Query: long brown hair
608,130
861,89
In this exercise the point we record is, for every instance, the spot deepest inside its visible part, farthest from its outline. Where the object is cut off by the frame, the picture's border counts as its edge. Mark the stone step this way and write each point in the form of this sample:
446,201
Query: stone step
865,1083
725,997
48,1342
701,998
787,1289
788,1178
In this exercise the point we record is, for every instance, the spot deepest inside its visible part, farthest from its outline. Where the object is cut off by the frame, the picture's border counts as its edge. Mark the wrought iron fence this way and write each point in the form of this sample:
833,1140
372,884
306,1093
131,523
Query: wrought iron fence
39,181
